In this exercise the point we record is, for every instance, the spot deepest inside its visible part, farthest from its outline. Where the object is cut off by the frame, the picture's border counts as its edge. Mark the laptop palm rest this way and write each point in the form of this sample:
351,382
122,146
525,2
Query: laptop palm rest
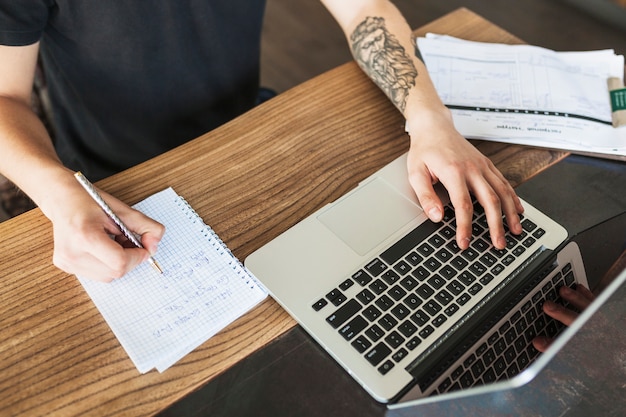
370,214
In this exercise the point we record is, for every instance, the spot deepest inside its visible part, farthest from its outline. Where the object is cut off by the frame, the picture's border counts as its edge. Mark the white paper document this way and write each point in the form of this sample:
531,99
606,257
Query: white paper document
159,318
527,94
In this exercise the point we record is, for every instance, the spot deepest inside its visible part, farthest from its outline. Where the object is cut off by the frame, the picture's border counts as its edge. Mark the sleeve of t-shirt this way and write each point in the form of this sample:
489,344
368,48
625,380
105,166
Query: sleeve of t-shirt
22,21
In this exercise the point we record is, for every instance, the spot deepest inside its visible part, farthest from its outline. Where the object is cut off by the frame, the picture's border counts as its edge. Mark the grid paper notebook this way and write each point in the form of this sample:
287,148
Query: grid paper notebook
158,319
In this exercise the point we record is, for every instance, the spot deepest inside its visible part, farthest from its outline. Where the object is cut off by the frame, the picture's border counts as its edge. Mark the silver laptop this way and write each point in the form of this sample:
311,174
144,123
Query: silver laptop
570,378
389,295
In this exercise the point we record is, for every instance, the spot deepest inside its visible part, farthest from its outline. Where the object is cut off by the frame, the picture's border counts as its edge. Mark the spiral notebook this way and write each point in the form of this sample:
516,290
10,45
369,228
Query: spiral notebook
158,319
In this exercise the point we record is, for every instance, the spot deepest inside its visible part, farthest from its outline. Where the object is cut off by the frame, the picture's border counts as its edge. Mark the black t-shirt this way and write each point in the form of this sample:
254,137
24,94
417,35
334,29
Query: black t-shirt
129,80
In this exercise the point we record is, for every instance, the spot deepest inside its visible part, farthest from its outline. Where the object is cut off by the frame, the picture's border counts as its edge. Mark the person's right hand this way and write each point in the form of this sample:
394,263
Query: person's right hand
89,244
580,298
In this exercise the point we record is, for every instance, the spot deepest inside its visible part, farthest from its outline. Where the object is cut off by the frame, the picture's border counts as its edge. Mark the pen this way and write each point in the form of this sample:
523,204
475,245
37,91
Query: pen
91,190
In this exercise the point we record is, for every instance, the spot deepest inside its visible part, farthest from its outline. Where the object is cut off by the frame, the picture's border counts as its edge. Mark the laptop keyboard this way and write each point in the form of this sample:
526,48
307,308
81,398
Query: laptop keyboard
404,295
507,348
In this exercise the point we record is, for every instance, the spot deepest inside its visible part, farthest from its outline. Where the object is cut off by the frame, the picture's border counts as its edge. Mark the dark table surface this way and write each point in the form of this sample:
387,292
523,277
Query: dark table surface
293,376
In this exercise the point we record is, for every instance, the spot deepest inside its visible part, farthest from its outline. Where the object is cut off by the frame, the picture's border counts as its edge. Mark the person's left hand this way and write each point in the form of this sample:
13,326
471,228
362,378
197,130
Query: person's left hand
580,298
439,153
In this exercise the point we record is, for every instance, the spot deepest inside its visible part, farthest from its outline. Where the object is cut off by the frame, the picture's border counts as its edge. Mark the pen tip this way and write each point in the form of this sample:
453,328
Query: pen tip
156,265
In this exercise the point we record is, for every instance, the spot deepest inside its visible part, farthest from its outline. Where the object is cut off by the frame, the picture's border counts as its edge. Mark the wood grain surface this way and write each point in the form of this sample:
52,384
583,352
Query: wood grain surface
250,180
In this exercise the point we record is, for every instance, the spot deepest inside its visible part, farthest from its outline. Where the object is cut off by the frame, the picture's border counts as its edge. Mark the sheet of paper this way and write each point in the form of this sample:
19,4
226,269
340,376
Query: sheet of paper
158,319
526,94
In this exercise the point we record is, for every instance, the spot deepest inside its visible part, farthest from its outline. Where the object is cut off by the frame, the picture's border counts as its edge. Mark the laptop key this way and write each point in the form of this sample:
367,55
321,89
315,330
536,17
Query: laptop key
432,307
420,273
387,322
344,313
424,291
458,371
413,258
396,292
394,339
353,327
444,297
413,343
478,368
319,304
444,385
385,367
408,242
466,380
384,302
390,277
361,344
362,277
378,353
402,268
499,366
374,333
371,313
489,376
409,283
346,284
412,301
407,328
489,356
400,354
455,287
375,267
463,299
365,296
336,297
426,331
436,281
400,311
420,318
439,320
378,286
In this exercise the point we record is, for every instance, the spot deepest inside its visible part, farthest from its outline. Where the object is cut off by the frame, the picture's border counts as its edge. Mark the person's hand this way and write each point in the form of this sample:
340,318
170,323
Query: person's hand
88,243
439,153
580,298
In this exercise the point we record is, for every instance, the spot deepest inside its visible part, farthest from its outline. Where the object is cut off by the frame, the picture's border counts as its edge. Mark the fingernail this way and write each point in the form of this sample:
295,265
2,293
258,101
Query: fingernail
435,214
501,242
541,342
549,305
465,243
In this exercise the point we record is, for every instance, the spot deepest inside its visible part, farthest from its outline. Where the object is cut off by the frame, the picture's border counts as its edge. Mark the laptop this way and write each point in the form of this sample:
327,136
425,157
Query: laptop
570,378
389,295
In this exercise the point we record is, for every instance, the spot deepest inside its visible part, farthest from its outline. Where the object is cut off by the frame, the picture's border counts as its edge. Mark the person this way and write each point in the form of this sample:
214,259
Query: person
579,298
130,80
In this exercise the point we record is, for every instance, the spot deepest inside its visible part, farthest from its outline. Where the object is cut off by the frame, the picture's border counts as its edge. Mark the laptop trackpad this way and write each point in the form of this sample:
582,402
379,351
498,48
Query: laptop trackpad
370,214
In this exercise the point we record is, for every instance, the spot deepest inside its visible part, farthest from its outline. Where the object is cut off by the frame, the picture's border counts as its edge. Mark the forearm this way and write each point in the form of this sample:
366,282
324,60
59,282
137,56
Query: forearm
382,44
28,156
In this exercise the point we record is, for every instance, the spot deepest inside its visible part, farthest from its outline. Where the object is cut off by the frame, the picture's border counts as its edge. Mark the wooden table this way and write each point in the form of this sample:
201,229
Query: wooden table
250,180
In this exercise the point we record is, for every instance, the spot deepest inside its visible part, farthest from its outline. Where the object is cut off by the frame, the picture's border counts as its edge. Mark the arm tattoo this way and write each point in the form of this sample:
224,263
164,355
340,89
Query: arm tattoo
382,57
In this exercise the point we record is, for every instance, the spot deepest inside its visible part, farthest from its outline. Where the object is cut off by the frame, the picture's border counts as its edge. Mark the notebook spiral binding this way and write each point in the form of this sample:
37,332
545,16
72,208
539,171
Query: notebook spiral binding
220,246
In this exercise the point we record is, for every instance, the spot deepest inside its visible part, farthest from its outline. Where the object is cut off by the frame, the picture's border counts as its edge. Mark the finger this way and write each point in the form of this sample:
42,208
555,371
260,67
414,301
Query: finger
493,212
542,343
91,253
95,268
498,198
150,231
560,313
512,208
585,292
579,298
422,183
463,211
510,203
